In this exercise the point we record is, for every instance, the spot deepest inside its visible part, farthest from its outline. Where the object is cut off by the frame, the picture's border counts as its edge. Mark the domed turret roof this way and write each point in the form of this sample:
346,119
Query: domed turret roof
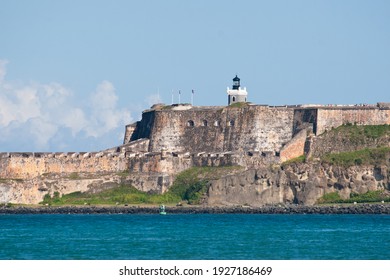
236,78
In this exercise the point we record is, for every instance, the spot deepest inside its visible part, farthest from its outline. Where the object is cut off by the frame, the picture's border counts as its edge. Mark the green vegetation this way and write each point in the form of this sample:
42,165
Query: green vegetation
7,180
123,173
357,133
189,185
6,205
368,197
374,156
299,159
74,176
120,195
239,105
332,197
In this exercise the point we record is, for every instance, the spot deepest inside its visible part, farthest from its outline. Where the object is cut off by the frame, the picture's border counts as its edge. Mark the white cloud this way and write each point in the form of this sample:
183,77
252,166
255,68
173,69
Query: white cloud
153,99
42,131
45,116
105,116
3,64
75,120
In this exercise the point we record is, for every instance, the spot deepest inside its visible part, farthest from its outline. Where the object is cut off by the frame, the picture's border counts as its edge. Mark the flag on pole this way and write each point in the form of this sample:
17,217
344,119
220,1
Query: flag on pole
192,98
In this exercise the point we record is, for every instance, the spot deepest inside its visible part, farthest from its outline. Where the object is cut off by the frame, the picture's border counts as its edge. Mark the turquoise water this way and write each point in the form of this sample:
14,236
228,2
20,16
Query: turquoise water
224,236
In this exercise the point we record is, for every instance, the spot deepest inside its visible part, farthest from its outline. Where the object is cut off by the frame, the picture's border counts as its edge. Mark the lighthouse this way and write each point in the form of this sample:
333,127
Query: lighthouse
236,94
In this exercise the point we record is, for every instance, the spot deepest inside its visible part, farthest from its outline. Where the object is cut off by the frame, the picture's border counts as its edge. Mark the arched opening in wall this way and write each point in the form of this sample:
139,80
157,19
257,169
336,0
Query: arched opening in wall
190,123
204,123
217,123
234,99
231,123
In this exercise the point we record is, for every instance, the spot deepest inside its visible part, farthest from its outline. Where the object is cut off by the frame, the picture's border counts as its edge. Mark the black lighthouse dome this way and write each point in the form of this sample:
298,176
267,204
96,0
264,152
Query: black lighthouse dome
236,82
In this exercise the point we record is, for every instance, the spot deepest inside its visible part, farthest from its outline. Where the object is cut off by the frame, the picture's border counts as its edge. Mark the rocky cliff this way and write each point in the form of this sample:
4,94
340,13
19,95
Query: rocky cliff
301,183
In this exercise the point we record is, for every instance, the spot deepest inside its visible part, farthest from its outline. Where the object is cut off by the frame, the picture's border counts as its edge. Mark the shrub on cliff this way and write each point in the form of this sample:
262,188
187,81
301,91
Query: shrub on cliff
189,186
192,183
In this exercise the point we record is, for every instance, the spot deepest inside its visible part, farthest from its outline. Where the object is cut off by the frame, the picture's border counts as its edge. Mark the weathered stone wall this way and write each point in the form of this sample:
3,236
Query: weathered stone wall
249,128
140,145
303,117
27,166
173,163
143,127
155,172
129,130
216,129
329,118
295,147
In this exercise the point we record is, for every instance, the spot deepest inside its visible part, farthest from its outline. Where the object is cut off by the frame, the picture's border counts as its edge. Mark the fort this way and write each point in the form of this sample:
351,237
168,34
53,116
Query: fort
171,138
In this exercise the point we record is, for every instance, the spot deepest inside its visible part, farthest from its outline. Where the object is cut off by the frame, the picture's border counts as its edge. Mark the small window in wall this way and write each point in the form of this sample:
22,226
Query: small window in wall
231,123
190,123
234,98
217,123
204,123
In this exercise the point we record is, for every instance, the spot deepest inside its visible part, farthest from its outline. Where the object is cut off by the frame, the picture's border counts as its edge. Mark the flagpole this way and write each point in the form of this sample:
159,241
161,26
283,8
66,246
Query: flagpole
192,98
179,95
172,97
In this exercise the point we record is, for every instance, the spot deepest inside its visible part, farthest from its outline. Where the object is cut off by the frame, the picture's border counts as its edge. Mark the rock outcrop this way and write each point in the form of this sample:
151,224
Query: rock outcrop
296,184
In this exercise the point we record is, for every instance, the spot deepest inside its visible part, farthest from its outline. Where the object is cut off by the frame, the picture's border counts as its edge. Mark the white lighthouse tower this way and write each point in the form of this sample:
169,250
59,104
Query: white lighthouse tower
236,94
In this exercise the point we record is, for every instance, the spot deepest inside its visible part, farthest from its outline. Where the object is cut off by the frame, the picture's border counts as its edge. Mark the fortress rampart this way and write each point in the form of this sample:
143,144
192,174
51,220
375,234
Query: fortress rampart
216,129
247,128
325,118
328,118
30,165
172,163
170,139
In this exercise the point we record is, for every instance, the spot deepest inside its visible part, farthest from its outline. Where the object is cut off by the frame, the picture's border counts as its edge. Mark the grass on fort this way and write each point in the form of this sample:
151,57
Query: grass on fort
190,186
357,133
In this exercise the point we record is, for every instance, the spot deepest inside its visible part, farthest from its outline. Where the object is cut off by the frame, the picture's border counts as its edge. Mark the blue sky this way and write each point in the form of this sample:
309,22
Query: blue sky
73,73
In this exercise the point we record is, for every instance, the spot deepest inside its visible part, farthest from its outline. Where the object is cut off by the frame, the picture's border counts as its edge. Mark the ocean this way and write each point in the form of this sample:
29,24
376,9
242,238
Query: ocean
194,237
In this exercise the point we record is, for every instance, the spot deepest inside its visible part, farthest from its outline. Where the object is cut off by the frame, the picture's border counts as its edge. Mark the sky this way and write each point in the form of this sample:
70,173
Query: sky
74,73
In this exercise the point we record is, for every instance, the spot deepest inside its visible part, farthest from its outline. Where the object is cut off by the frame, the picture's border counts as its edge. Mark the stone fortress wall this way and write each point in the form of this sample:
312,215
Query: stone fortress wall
170,139
257,128
30,165
215,129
